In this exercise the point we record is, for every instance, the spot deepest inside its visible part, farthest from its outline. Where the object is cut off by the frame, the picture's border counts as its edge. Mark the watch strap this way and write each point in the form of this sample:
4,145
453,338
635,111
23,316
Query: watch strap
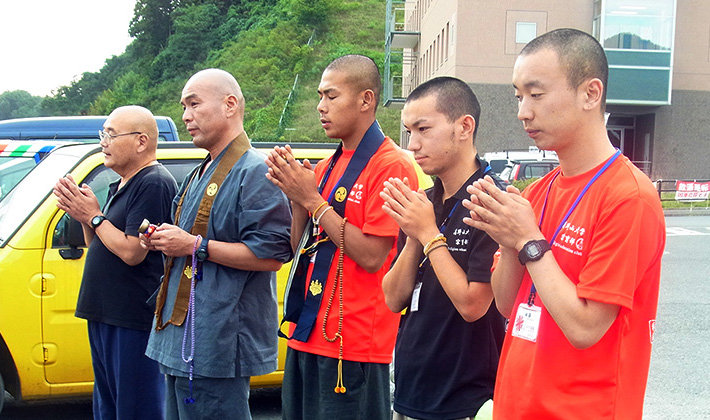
97,220
539,246
202,253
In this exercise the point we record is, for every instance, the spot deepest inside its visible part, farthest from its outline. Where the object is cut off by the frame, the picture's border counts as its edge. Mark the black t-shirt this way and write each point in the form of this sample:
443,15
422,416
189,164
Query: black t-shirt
445,367
111,291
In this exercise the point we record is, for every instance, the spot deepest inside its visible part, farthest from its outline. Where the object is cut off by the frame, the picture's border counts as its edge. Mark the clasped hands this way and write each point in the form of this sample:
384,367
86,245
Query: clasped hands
506,216
297,180
79,202
412,210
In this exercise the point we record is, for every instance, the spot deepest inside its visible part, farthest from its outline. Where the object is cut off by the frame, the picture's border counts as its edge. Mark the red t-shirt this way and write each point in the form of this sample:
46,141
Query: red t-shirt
369,327
611,248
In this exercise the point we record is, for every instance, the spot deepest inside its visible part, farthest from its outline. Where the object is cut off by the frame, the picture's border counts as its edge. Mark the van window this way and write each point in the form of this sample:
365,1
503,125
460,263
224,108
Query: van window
180,168
12,170
535,170
99,180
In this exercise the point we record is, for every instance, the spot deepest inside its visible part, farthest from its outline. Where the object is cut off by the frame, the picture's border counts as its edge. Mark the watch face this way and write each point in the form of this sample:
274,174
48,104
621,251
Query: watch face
533,250
96,221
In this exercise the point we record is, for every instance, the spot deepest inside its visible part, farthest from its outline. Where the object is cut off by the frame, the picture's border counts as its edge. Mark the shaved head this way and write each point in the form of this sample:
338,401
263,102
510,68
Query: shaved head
135,118
580,55
134,140
220,83
362,73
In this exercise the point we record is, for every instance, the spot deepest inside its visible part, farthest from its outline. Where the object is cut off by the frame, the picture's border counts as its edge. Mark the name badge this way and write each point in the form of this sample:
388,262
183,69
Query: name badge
527,322
415,297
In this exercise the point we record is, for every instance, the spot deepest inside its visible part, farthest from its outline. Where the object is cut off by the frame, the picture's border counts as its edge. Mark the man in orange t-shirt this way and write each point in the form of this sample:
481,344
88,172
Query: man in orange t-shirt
337,364
579,265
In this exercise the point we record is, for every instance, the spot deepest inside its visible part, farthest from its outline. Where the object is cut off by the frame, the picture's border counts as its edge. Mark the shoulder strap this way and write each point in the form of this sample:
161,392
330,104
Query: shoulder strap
231,156
302,311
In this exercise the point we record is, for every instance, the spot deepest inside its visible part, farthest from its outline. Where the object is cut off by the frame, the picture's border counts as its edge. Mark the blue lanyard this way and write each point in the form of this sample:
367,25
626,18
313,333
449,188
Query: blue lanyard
442,228
531,297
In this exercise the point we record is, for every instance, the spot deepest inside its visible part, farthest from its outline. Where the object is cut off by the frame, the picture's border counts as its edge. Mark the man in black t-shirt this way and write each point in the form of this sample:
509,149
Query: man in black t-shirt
119,275
448,344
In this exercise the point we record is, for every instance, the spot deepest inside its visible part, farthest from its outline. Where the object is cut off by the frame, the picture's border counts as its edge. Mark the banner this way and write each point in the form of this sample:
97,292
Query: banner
692,191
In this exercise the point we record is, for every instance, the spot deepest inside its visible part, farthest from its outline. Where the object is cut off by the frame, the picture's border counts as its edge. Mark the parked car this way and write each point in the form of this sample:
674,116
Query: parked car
520,170
44,349
498,160
84,129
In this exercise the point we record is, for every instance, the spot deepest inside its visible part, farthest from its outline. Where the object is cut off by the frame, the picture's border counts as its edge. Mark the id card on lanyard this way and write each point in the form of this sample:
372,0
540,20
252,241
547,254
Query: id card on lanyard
424,264
527,318
414,306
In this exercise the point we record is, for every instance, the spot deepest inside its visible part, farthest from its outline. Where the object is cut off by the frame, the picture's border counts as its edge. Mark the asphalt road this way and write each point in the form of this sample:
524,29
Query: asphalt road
679,381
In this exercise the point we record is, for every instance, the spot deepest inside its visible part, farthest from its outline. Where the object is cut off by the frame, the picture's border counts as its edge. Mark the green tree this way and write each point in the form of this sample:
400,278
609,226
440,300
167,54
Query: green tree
313,13
19,104
194,37
76,98
265,61
151,25
129,89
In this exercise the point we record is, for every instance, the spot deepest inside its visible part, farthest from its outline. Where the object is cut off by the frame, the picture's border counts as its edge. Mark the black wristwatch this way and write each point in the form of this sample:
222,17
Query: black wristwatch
97,220
533,251
202,253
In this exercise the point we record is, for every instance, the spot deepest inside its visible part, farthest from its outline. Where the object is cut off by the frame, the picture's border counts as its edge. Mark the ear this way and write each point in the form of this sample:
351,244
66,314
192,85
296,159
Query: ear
467,125
592,91
232,105
368,100
142,143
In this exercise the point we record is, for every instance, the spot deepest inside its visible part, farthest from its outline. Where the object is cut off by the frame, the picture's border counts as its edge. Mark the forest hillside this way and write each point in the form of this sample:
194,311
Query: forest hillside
276,49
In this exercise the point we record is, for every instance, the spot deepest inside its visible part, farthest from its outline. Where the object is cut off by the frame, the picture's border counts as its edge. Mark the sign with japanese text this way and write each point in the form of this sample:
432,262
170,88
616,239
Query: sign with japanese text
692,190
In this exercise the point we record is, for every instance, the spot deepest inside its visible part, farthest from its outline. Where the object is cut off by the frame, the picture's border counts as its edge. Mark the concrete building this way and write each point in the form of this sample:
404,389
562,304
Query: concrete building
659,59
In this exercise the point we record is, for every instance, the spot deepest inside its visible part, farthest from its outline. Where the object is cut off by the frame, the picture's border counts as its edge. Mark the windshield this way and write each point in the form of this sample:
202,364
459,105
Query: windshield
29,192
12,170
505,173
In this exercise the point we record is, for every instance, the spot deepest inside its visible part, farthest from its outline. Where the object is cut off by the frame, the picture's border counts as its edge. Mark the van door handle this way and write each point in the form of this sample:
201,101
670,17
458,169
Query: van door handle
71,253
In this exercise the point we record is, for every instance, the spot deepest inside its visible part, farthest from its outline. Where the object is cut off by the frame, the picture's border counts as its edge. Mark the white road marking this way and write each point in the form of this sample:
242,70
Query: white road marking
679,231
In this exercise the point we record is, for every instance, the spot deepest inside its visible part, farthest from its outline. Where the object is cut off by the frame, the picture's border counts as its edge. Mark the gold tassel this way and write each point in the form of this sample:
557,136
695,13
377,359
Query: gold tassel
340,386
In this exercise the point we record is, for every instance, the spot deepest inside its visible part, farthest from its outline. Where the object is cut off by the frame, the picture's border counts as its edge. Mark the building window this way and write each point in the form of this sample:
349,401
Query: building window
525,32
635,25
447,40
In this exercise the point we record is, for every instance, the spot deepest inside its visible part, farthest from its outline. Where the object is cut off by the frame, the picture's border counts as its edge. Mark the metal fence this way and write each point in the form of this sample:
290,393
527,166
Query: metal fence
667,189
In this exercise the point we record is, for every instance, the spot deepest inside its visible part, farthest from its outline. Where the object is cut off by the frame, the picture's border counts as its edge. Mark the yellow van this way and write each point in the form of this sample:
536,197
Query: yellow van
44,349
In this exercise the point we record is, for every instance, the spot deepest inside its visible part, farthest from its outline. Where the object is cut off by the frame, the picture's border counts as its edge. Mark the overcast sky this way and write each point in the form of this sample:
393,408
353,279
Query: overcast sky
46,44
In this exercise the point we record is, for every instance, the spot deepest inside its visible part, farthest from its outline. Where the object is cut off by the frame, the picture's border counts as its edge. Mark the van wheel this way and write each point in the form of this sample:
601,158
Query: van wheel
2,393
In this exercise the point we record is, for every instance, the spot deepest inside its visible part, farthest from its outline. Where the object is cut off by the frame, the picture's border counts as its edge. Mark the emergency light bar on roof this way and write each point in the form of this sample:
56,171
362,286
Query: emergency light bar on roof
33,149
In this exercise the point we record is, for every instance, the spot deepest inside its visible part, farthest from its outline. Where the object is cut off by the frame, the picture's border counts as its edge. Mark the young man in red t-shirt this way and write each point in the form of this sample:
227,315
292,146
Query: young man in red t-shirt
340,370
582,316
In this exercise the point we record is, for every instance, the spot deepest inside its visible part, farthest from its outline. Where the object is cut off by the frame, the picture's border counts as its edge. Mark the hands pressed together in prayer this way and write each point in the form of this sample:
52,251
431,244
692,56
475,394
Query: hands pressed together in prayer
506,216
412,210
79,202
297,180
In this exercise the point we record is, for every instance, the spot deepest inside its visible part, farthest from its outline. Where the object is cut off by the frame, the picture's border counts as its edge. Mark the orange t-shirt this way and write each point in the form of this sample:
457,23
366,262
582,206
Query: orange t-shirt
369,327
611,248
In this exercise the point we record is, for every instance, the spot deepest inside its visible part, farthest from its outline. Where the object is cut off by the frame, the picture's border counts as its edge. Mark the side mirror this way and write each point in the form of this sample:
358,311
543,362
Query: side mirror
74,237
